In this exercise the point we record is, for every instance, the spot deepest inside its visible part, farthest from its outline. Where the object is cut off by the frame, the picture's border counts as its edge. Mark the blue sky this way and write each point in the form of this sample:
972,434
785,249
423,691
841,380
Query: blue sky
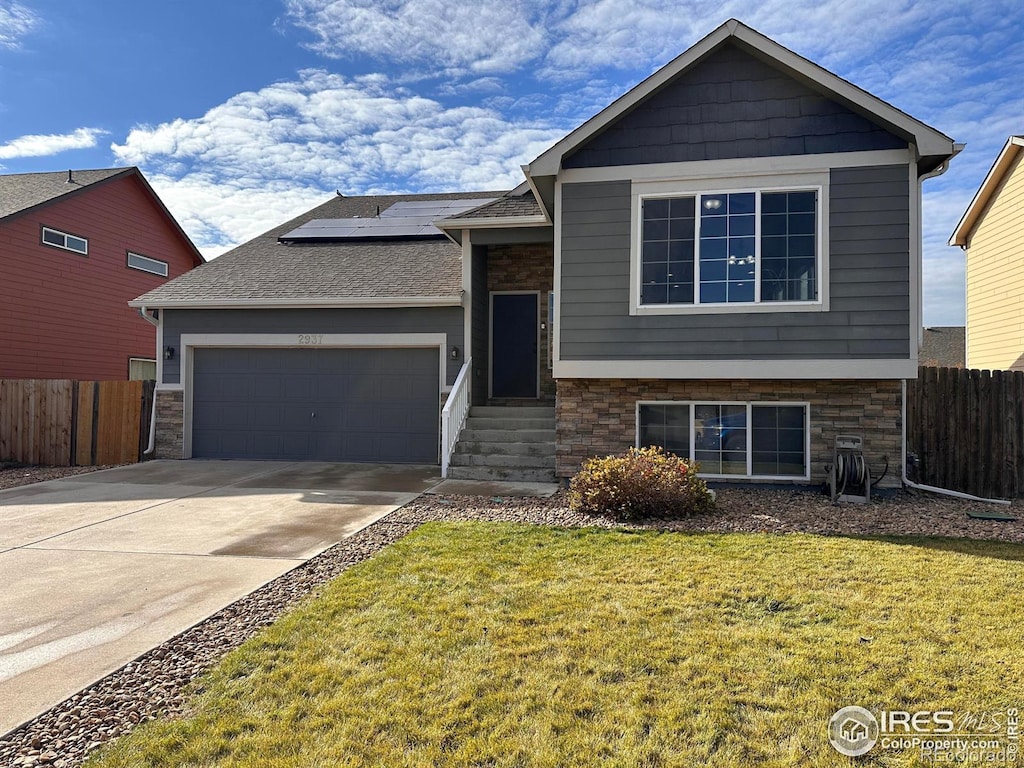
244,114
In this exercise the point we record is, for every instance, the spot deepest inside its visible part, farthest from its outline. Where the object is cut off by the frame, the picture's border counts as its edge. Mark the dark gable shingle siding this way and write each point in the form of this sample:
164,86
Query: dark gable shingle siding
731,105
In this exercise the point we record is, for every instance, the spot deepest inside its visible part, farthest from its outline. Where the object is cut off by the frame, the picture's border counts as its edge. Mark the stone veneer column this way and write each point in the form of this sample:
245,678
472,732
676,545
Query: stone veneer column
596,417
170,424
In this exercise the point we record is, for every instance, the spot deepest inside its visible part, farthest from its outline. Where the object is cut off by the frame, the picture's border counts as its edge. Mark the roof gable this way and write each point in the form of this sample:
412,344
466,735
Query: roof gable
1005,162
24,192
730,104
21,192
933,147
268,272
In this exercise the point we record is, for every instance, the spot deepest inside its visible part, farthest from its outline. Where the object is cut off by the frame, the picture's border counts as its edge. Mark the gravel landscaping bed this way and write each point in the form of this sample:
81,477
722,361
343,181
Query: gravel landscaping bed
158,682
14,475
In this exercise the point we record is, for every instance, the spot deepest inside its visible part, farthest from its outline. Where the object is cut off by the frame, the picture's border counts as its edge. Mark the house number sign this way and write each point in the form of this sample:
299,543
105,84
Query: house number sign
310,339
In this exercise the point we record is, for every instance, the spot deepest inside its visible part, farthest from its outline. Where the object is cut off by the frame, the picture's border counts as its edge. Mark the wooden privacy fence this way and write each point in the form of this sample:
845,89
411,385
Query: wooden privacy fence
967,429
62,423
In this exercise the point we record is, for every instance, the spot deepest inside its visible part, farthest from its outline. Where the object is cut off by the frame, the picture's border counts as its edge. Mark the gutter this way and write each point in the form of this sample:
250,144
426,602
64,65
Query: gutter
152,416
304,303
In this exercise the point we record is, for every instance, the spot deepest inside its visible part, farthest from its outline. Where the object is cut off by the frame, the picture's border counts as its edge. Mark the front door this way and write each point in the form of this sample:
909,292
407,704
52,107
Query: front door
514,345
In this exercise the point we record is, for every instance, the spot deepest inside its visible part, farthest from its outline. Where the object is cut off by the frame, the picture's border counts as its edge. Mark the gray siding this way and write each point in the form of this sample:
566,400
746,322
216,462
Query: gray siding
869,287
400,320
731,105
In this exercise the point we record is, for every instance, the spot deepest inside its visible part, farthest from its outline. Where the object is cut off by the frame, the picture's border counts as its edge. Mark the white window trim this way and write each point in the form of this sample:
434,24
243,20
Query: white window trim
642,190
65,235
151,260
691,404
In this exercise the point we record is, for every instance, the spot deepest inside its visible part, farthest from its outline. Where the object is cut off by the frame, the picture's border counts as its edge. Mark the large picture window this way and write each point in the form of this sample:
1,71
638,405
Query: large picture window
730,248
765,440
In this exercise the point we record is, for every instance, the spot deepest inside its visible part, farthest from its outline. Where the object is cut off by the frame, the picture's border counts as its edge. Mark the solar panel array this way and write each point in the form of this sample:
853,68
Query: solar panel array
407,219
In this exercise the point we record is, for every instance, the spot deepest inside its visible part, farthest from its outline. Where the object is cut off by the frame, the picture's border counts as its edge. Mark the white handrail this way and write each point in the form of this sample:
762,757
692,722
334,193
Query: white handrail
454,413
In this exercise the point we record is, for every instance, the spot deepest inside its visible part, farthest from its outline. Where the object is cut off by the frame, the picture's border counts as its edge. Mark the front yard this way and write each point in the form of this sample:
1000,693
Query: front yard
509,645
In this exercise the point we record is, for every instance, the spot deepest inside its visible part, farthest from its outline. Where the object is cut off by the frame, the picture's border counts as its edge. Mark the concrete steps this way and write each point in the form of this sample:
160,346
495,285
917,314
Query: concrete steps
515,443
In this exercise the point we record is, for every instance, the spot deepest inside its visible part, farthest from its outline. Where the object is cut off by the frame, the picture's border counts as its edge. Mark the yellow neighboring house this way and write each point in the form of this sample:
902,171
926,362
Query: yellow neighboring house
992,233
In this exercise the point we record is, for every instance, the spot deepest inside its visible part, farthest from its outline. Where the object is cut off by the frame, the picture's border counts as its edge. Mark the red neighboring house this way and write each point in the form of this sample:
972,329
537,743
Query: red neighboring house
75,248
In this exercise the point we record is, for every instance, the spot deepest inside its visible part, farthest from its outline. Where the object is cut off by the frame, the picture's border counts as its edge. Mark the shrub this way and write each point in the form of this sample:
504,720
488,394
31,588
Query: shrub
644,482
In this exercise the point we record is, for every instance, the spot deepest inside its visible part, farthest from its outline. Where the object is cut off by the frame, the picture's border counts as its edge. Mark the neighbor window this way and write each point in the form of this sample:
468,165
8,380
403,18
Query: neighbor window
729,248
766,440
59,239
146,264
141,369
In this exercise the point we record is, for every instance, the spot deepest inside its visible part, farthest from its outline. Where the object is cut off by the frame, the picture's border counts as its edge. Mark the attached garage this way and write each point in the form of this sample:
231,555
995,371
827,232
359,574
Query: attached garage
316,404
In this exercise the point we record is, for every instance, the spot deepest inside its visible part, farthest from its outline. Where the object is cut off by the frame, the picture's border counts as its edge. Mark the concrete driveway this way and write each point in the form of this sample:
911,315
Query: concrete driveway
99,568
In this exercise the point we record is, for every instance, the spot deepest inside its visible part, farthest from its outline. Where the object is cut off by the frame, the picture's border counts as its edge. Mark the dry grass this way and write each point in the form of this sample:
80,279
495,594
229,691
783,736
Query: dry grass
479,644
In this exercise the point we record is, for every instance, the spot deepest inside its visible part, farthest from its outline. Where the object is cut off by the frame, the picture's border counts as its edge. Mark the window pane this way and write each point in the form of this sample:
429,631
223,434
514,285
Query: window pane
654,294
778,440
742,202
712,293
721,438
667,426
656,229
713,226
77,243
681,229
682,207
668,230
741,225
656,273
656,209
713,270
680,293
53,238
788,246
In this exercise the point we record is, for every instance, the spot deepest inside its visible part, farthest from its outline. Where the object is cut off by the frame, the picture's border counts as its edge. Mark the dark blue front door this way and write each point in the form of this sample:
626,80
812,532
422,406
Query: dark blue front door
514,345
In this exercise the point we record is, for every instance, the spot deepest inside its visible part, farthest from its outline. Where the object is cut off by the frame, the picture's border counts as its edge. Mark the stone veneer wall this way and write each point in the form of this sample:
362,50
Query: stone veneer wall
596,417
527,268
170,424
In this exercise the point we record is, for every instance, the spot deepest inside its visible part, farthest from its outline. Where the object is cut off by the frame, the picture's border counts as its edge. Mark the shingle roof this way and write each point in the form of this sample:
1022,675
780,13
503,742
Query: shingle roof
505,207
265,269
21,191
943,346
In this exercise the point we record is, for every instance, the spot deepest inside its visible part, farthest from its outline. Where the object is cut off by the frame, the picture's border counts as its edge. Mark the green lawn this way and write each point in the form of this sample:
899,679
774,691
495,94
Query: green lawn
502,645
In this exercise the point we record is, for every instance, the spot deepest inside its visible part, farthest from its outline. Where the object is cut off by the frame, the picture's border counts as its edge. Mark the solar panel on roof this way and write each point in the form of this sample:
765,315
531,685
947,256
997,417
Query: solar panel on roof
404,219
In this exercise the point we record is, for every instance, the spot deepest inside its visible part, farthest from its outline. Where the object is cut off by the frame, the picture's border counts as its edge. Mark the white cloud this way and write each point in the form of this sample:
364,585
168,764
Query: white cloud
480,37
44,145
16,21
263,156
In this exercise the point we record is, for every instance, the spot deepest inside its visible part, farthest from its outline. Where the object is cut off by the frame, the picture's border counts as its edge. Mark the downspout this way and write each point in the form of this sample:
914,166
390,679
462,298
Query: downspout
931,488
152,416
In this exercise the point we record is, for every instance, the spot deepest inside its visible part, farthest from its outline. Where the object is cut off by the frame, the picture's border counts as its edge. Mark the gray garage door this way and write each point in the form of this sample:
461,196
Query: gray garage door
316,404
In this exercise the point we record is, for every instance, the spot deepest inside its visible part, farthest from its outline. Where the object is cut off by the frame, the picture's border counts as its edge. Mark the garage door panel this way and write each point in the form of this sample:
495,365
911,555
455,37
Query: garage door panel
370,404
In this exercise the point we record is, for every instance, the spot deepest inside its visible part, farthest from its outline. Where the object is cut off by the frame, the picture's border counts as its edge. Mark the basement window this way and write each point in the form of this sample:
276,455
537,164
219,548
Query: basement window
146,264
69,242
749,440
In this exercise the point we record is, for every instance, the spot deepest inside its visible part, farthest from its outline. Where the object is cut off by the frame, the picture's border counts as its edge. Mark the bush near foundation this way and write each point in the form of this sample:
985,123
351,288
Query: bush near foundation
643,482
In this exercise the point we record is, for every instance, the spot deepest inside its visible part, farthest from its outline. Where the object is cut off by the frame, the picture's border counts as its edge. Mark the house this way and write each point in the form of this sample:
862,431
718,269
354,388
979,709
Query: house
726,261
75,247
991,231
943,346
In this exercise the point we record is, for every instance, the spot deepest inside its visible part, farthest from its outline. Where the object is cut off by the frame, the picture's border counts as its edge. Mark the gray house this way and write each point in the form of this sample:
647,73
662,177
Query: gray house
726,261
